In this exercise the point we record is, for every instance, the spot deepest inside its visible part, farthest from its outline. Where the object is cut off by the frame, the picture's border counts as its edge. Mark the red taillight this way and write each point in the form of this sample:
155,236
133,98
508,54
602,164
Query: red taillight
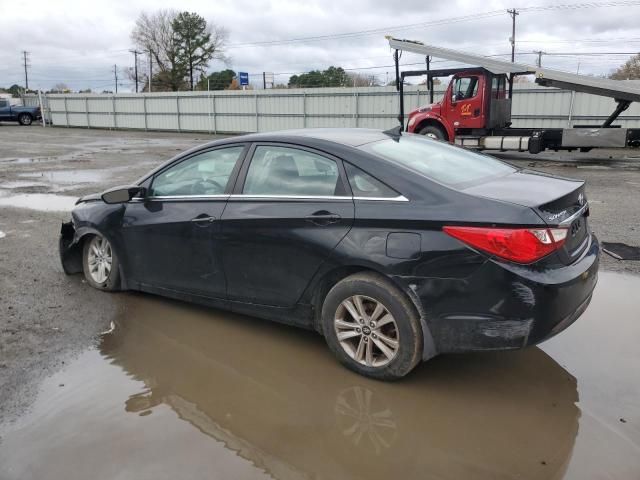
522,245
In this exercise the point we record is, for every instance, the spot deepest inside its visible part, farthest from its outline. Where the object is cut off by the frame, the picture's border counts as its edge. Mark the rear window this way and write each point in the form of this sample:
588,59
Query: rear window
447,164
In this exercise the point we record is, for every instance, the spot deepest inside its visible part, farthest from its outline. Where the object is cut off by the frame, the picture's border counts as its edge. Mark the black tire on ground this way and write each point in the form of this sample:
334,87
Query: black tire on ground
409,331
434,132
25,119
112,281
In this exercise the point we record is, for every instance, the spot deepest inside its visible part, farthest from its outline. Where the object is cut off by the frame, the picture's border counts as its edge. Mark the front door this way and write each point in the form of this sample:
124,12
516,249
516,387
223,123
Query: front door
282,222
171,237
465,106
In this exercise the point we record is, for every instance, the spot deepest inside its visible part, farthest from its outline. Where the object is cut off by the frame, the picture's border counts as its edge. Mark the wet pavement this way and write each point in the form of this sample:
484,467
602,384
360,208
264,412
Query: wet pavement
177,391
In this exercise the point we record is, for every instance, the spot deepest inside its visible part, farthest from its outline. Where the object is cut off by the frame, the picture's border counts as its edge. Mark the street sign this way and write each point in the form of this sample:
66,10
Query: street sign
244,78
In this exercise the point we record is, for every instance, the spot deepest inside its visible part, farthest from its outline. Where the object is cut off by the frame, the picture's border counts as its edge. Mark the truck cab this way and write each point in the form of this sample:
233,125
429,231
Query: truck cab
474,103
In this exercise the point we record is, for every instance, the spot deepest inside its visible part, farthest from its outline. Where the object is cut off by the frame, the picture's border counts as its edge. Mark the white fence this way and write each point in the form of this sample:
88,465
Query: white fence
267,110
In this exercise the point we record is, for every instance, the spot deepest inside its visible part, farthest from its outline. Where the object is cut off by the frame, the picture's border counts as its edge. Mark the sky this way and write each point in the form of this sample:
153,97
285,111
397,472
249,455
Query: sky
78,42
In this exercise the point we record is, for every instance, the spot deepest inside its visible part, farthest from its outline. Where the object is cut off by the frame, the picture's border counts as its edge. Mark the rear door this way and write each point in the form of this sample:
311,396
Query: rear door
290,209
171,237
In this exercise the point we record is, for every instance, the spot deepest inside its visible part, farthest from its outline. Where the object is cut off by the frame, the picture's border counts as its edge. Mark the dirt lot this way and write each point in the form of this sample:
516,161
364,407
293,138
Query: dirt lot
570,409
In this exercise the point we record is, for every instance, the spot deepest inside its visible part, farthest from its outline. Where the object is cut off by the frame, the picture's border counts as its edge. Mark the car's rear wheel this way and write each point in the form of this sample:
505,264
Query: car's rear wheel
434,132
372,327
25,119
100,264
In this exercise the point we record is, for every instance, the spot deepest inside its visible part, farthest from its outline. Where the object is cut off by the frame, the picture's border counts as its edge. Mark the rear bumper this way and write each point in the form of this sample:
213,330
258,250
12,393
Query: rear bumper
506,306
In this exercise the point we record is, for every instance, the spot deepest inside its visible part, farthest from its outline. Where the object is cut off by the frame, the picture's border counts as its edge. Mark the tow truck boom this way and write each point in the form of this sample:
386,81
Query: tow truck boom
488,120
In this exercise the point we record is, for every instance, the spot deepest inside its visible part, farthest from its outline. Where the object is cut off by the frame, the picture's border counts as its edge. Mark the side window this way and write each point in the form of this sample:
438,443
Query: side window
498,86
4,103
465,87
364,185
204,174
290,171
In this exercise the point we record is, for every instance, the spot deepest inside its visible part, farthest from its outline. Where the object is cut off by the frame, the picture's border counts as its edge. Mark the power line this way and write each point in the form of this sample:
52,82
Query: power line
442,21
376,31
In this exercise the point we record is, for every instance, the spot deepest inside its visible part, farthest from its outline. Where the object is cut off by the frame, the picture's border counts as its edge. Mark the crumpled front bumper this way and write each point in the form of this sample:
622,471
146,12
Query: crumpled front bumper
69,249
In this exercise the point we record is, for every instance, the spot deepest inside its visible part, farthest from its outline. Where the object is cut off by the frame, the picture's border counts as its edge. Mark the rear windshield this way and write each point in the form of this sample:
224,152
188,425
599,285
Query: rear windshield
447,164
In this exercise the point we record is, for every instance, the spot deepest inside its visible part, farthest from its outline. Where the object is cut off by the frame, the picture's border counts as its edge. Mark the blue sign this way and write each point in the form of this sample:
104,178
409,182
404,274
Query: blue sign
244,78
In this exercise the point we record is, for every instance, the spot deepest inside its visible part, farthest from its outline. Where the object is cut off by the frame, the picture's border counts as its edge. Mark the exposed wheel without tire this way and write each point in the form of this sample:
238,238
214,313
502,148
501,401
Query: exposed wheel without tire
25,119
434,132
100,264
372,327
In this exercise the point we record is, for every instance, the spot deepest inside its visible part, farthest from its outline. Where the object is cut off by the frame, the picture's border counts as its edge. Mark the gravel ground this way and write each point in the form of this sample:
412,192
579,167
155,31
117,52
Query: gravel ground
47,318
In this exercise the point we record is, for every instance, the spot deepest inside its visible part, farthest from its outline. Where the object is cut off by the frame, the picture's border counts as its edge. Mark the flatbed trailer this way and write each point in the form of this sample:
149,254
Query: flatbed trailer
475,111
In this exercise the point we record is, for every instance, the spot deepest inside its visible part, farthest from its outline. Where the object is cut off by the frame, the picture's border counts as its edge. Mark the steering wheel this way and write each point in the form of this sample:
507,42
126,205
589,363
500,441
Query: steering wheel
201,187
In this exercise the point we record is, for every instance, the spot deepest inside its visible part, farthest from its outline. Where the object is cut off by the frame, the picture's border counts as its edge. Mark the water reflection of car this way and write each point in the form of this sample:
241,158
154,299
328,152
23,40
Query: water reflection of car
393,246
268,394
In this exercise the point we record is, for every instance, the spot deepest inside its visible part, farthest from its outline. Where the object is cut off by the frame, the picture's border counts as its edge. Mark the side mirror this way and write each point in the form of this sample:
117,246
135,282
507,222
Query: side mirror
121,194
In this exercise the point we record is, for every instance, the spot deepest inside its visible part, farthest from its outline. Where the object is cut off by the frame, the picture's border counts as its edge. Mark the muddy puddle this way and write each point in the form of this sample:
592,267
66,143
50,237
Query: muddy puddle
46,202
68,176
176,391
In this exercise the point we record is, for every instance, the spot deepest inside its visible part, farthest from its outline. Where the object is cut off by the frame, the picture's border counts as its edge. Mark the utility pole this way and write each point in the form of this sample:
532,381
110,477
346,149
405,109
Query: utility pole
25,56
540,53
135,67
513,12
264,80
150,69
115,75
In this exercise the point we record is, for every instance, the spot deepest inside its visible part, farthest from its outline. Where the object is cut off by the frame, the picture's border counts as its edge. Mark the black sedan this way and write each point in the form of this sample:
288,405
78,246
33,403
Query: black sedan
394,247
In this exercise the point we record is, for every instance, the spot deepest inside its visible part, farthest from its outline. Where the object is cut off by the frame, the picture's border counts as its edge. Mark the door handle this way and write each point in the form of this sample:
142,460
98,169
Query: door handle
323,218
202,219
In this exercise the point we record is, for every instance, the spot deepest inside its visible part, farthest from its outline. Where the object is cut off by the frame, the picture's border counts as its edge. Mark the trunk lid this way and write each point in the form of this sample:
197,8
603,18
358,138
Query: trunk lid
560,202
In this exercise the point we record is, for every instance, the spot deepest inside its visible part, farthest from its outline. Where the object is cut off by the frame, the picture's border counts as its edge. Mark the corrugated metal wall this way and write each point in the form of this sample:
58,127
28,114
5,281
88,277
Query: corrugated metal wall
267,110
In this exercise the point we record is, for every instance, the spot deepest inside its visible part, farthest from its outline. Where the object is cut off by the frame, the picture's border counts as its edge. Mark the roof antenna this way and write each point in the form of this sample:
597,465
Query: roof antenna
395,132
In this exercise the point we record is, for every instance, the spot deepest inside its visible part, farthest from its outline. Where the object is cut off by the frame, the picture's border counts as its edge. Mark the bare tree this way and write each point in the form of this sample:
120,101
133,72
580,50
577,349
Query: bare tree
629,71
60,88
154,33
361,80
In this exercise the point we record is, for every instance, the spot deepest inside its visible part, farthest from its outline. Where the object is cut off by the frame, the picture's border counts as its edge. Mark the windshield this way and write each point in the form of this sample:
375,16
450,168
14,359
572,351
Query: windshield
447,164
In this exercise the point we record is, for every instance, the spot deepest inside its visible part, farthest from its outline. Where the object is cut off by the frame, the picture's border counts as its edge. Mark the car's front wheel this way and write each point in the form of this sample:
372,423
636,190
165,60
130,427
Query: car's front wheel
372,327
25,119
100,264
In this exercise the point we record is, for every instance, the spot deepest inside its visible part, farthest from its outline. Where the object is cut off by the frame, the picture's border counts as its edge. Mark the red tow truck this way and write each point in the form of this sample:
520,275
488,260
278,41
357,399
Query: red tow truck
475,111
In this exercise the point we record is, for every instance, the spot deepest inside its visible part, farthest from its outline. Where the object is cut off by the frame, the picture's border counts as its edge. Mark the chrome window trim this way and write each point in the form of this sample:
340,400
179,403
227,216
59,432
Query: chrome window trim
182,197
246,196
568,221
399,198
241,196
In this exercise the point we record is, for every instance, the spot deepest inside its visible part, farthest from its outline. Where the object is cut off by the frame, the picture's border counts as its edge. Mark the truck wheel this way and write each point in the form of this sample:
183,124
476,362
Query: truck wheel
25,119
372,327
434,132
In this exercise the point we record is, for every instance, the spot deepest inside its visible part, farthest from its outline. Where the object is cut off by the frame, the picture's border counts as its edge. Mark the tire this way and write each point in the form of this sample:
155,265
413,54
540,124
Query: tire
97,251
359,345
434,132
25,119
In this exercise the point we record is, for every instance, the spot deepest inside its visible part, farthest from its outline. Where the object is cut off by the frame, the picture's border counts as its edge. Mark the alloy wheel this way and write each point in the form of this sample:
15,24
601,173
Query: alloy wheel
99,258
367,331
